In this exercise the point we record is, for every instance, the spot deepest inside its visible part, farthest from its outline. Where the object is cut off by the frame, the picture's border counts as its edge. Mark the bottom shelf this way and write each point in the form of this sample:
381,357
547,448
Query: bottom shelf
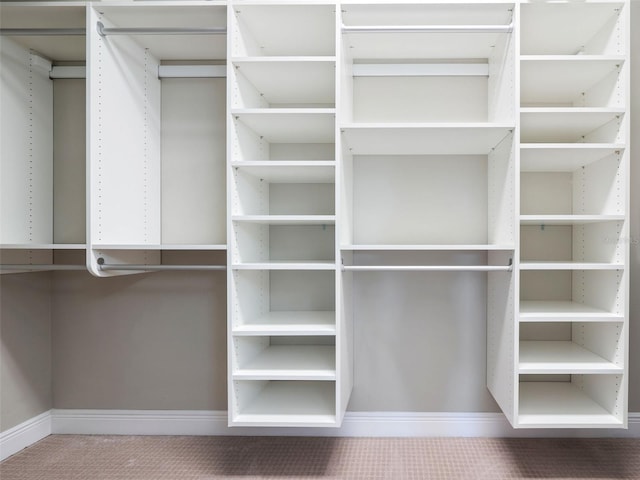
561,404
285,403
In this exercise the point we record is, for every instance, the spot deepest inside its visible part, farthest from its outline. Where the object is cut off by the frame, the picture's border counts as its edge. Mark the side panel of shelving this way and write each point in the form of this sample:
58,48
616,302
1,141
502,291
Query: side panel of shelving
26,189
123,142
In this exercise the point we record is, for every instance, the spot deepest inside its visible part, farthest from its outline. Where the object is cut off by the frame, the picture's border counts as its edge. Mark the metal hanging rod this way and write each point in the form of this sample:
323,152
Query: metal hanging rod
31,266
429,29
428,268
41,32
160,268
105,31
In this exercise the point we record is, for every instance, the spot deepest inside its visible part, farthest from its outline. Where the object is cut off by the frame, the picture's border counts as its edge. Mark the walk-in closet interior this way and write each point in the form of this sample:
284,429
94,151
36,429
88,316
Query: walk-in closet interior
419,205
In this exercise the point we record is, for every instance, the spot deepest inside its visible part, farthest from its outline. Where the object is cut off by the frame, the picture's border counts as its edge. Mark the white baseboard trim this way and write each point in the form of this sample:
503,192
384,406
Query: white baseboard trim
355,424
24,435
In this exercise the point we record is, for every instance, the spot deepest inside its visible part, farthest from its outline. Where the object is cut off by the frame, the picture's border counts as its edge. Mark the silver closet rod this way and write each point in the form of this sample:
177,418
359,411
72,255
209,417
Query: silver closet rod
104,31
160,268
428,268
31,266
428,29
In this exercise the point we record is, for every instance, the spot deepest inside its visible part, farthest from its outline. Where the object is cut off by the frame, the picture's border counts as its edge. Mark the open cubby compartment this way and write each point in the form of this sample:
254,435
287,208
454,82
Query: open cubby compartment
282,302
290,29
395,76
572,347
283,403
42,189
431,200
283,83
552,295
572,126
156,146
575,82
573,28
284,358
572,401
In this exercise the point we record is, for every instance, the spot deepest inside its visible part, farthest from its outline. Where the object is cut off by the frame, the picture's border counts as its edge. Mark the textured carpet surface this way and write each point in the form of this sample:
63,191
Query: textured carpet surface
86,457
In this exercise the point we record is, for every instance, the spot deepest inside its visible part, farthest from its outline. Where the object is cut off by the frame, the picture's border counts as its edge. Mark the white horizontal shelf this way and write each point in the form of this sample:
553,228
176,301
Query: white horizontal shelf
422,247
163,246
290,323
292,403
561,357
568,219
290,362
560,404
564,311
424,138
284,80
563,157
286,265
563,125
290,125
560,265
43,246
289,171
561,79
286,219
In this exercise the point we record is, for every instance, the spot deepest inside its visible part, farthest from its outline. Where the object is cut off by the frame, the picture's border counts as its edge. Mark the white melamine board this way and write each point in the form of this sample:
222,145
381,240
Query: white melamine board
159,15
124,136
561,265
566,125
563,311
26,138
286,219
281,81
291,125
501,193
193,161
44,246
553,157
69,161
289,171
164,246
570,28
271,28
47,15
562,80
288,403
568,219
561,404
289,362
284,265
419,99
561,357
289,323
420,200
421,139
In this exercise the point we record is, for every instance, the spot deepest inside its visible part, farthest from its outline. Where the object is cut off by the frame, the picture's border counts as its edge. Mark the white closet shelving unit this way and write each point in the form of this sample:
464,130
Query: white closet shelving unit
574,168
287,362
42,183
157,116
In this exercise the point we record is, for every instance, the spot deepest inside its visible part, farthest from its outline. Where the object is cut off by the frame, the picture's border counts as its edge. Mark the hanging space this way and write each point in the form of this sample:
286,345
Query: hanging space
42,189
157,133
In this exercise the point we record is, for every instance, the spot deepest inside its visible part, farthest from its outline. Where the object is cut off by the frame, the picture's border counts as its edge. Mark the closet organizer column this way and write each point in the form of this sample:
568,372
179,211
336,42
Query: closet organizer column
286,366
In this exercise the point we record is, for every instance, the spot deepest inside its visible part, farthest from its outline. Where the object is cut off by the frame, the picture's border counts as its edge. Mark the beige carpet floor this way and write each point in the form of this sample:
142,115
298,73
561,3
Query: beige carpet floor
85,457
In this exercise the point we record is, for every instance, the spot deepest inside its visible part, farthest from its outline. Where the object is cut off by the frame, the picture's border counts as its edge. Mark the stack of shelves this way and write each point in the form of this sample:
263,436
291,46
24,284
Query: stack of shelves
283,362
42,221
573,215
157,116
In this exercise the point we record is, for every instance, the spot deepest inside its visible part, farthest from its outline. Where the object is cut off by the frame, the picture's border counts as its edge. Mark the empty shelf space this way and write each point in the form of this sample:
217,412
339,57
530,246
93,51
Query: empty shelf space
565,125
560,404
568,265
566,357
290,125
286,219
290,362
417,138
289,171
289,403
290,323
562,311
568,219
563,79
286,265
568,157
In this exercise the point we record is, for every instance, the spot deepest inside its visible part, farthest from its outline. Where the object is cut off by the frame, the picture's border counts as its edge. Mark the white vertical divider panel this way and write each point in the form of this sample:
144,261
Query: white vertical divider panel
26,178
124,167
